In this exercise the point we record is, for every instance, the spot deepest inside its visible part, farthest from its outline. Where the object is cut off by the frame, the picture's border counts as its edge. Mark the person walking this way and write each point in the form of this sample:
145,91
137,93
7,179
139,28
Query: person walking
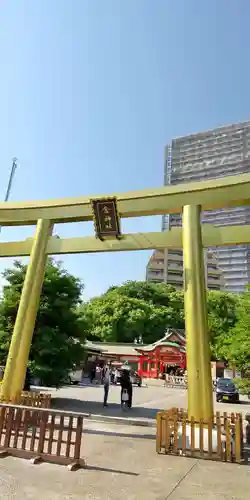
106,382
126,385
92,374
117,376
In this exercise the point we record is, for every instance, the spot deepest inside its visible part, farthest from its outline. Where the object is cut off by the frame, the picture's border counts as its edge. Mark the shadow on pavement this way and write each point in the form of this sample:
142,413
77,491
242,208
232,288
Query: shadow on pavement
224,404
246,454
113,471
96,407
121,435
244,402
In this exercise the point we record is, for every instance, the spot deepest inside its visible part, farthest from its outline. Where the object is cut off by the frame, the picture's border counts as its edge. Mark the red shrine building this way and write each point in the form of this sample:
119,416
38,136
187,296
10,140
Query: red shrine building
149,360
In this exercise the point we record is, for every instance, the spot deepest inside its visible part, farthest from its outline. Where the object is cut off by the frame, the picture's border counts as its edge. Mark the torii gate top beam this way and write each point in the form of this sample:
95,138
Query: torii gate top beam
217,193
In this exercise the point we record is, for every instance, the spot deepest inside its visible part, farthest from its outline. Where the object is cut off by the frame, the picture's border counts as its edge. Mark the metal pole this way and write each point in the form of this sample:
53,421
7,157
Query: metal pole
200,395
10,182
11,178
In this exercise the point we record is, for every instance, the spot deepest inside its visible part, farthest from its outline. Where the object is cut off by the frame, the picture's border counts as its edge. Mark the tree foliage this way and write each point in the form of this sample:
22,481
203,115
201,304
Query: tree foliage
243,385
235,347
132,310
222,317
122,314
144,309
55,347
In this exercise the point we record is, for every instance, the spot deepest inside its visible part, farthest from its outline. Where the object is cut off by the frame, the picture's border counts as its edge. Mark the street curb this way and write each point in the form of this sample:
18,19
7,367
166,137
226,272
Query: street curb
121,421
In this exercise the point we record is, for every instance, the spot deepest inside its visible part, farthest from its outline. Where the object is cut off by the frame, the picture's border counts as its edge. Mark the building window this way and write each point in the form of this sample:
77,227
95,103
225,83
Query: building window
176,252
175,271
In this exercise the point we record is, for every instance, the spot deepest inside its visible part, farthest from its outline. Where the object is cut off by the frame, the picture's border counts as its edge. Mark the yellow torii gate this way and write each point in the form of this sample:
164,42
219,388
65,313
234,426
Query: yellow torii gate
189,199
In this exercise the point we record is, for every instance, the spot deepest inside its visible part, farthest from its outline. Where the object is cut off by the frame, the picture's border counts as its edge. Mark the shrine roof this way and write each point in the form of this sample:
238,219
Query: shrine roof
91,347
165,341
123,349
150,348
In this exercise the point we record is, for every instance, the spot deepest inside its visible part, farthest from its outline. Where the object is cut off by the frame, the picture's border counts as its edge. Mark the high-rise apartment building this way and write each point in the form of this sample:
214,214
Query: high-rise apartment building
216,153
166,266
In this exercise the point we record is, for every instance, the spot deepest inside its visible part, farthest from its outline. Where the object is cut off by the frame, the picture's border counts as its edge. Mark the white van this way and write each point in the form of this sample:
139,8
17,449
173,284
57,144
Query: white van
75,377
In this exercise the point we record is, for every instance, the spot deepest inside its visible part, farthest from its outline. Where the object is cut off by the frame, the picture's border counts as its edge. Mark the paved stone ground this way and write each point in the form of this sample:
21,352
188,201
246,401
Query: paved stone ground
147,400
121,459
122,464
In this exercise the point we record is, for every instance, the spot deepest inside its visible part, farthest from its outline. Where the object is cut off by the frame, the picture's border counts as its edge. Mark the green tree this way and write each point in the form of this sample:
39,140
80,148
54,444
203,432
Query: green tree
158,294
235,347
148,309
243,384
222,317
132,310
56,346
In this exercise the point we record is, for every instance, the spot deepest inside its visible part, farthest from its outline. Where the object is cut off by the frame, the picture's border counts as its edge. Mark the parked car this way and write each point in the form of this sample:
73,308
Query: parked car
75,377
226,391
135,378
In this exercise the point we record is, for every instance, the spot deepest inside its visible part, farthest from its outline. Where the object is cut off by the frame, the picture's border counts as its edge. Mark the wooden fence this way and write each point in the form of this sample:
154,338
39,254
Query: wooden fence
41,435
35,399
220,438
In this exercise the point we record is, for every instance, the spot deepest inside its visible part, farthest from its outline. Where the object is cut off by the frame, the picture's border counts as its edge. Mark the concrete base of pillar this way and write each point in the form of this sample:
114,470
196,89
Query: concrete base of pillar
197,439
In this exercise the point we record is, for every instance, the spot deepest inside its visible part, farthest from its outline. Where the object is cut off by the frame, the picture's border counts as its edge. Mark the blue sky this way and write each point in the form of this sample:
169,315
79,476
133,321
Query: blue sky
92,90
